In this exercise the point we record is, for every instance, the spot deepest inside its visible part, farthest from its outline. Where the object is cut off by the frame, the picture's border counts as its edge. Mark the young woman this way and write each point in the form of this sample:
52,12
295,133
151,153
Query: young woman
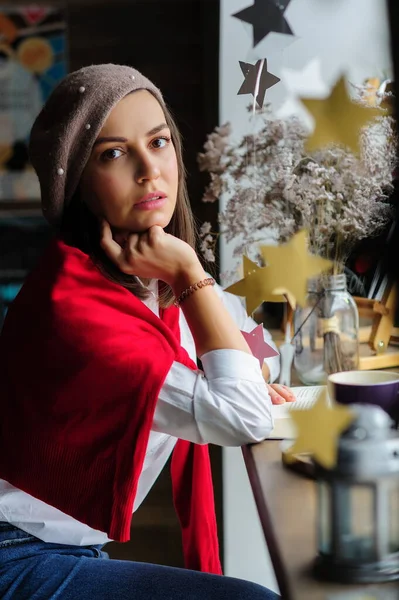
98,376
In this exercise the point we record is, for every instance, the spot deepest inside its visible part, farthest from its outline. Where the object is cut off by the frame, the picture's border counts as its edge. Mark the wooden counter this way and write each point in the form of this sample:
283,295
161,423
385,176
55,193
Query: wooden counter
286,504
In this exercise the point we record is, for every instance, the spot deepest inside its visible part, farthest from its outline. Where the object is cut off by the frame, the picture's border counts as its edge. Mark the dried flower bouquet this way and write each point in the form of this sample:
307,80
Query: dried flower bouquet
272,188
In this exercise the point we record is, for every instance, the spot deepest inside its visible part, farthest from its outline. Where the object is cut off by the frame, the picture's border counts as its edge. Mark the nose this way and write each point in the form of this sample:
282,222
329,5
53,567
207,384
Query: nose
146,168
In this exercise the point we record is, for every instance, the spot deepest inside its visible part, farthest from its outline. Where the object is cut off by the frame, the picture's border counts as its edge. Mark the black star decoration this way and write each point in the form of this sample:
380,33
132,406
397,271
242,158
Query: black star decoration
266,81
265,16
282,4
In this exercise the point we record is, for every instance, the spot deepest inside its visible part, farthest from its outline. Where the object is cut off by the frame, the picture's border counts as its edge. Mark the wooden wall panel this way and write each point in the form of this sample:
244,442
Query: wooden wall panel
174,43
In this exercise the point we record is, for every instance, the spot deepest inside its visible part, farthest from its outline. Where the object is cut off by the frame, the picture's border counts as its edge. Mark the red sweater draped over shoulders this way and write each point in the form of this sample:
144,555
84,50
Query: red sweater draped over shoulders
82,362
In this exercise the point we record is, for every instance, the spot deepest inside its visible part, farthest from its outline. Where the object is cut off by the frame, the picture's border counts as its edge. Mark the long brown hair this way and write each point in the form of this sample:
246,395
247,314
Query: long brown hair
80,227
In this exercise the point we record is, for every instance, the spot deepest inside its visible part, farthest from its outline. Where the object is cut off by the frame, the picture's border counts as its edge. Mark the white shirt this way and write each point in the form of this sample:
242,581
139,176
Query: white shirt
227,405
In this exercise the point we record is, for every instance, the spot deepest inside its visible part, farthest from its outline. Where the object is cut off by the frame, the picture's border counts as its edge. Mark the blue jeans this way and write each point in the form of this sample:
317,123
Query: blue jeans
34,570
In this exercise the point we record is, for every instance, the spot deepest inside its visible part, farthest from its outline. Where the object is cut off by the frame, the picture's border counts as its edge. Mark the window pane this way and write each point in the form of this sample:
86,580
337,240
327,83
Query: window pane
393,515
324,525
356,518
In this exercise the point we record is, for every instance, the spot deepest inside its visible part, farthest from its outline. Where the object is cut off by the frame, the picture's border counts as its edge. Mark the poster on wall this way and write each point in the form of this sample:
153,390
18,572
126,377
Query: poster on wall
33,59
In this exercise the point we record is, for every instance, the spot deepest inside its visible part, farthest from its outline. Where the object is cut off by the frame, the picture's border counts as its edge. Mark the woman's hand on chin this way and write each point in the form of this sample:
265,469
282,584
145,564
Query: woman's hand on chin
153,254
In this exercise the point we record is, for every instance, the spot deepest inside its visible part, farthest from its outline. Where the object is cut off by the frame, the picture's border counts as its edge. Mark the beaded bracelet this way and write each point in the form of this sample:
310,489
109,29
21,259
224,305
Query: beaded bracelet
193,288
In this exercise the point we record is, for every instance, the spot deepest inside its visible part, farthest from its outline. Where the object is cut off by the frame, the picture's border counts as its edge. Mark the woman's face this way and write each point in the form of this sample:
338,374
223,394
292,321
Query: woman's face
131,178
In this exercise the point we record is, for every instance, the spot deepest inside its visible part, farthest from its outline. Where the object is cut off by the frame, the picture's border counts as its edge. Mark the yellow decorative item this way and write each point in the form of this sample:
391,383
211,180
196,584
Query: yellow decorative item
289,267
338,120
370,94
255,286
36,55
5,153
8,30
318,431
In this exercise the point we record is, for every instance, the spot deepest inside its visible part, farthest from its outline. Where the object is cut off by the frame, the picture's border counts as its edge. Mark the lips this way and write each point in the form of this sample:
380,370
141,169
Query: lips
151,197
152,201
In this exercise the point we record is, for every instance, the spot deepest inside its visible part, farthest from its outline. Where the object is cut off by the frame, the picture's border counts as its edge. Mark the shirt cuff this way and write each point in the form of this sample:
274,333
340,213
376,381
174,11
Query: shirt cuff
233,364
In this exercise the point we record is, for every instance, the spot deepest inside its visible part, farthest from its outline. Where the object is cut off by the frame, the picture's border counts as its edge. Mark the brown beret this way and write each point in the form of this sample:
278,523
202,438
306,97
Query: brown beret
64,133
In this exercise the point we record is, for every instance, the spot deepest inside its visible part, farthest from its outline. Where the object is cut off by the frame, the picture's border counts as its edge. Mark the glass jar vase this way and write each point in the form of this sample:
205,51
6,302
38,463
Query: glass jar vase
326,331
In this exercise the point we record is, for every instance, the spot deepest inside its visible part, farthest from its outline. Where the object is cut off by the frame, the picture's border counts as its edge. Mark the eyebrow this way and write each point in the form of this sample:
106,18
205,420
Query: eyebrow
107,140
157,129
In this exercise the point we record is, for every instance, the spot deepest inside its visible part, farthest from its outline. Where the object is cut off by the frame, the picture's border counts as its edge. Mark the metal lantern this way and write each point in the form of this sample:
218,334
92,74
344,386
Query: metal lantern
358,503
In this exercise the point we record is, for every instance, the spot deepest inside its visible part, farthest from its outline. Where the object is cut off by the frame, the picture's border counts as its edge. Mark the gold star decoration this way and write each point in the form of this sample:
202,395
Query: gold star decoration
338,120
254,286
289,267
318,431
370,94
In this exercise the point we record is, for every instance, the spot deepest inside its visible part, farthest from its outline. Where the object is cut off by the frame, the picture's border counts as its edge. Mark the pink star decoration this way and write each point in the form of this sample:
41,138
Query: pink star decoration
257,344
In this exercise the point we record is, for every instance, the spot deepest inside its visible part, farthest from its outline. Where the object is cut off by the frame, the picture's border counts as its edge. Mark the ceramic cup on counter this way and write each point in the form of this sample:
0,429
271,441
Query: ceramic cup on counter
366,387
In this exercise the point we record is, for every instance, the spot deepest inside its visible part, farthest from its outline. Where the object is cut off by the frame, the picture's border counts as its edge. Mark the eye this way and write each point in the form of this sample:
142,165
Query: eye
160,142
111,154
